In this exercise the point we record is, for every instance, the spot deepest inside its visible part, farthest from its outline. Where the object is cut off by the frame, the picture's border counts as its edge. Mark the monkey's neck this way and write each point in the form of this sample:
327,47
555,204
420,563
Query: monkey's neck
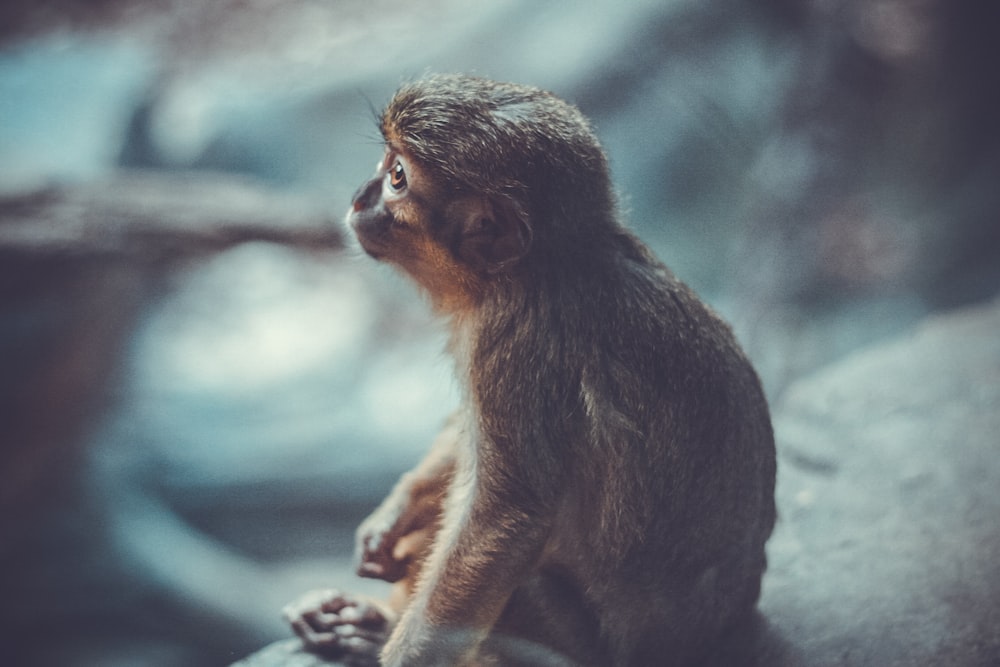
463,331
560,296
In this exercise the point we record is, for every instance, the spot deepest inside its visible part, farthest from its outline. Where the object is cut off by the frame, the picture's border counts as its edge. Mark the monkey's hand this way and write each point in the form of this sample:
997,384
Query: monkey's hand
398,533
375,547
351,629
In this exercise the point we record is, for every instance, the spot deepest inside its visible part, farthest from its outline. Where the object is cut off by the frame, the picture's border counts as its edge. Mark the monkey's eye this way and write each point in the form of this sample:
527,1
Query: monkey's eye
397,176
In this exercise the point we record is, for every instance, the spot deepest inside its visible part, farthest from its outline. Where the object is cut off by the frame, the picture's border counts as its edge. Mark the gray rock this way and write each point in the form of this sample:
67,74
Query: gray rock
888,547
286,653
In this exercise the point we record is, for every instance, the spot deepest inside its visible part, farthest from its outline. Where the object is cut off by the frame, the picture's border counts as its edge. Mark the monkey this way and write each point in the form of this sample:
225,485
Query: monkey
604,492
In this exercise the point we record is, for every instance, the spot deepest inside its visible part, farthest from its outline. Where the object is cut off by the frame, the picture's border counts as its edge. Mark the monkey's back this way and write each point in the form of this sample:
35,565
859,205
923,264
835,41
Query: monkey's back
673,483
701,449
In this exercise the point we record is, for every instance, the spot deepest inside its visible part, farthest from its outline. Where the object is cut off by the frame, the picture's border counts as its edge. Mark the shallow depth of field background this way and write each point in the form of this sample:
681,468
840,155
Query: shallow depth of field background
190,429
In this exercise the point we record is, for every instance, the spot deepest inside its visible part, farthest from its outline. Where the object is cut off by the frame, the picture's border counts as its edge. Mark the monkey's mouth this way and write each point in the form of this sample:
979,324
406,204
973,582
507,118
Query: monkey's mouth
370,243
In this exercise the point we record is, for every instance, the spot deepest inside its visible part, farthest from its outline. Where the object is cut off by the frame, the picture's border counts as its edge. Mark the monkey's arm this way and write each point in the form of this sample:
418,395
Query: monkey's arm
400,529
490,541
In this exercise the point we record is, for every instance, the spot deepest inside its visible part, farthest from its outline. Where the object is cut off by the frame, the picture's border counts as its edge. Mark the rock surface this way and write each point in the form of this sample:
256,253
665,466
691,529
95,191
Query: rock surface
887,551
888,547
286,653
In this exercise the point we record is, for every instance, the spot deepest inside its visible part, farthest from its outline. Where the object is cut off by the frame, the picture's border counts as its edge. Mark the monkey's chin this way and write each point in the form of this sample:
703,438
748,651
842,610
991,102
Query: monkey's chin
370,247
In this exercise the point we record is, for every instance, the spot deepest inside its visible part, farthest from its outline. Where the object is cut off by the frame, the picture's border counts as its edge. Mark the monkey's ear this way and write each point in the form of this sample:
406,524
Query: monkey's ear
494,234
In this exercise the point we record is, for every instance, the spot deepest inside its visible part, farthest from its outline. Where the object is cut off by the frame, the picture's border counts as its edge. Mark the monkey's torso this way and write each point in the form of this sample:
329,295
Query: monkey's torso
610,488
651,436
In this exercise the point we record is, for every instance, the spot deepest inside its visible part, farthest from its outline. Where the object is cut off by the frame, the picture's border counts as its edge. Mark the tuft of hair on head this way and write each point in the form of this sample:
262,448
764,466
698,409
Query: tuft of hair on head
502,139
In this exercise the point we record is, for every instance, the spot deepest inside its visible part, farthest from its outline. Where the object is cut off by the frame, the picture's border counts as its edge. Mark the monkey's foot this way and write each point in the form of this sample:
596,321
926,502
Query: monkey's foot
349,628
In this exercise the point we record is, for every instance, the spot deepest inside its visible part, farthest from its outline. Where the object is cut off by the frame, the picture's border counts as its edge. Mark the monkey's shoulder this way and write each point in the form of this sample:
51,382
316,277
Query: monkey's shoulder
651,302
661,339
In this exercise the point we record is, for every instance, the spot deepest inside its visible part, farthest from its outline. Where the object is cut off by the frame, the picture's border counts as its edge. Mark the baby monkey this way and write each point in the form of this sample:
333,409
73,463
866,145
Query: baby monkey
603,495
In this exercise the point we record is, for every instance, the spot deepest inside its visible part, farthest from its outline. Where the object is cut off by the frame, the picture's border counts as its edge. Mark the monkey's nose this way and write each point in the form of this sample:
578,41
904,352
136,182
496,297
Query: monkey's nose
367,195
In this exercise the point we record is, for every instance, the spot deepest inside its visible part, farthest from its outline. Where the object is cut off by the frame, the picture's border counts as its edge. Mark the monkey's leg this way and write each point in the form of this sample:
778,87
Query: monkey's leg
480,556
546,622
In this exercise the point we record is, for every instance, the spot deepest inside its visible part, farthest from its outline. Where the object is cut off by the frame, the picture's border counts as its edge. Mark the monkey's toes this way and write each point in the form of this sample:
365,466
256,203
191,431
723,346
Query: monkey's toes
336,624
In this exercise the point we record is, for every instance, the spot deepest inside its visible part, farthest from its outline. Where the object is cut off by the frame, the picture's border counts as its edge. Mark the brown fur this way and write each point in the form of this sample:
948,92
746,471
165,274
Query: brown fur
606,489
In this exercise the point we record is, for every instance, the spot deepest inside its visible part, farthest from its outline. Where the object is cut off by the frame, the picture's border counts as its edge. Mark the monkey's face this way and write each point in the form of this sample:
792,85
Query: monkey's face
450,242
386,212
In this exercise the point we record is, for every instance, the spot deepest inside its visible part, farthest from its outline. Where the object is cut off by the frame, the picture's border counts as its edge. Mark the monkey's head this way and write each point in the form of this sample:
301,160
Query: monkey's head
479,180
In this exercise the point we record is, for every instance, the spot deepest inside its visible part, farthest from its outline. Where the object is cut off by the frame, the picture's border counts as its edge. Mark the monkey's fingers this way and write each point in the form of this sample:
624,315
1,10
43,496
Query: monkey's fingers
315,612
353,644
355,636
334,634
379,563
323,641
365,615
391,572
336,602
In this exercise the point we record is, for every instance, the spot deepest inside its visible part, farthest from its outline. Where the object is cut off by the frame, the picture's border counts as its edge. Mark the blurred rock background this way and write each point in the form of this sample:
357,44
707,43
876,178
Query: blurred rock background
202,391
